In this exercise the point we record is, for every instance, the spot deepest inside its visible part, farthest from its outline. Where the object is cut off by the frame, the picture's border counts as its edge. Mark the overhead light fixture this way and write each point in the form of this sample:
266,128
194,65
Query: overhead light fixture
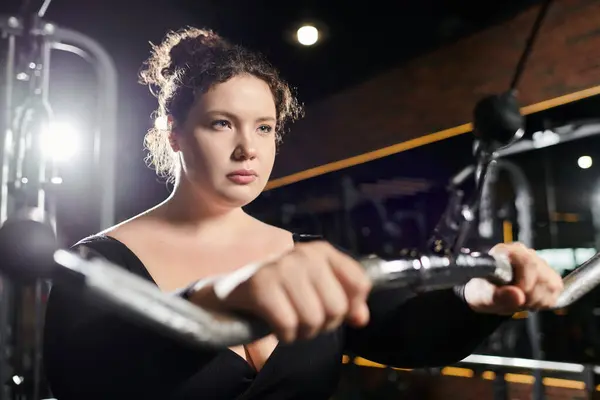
307,35
584,162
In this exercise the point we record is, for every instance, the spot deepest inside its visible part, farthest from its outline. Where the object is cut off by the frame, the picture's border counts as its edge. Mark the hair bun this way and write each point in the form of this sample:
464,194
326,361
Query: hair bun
176,51
192,45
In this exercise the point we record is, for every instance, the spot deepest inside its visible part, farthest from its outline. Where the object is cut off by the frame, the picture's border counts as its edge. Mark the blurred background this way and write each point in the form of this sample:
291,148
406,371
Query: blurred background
389,90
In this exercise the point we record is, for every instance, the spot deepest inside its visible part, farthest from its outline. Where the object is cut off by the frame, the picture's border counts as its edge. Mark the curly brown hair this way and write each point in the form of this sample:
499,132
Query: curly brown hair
185,65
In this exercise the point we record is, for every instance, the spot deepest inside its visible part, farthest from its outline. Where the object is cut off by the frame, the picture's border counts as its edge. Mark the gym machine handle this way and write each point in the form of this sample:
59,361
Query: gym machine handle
136,298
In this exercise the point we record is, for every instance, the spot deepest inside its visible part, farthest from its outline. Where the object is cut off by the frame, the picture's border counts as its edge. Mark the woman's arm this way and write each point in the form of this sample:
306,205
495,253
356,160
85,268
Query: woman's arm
432,329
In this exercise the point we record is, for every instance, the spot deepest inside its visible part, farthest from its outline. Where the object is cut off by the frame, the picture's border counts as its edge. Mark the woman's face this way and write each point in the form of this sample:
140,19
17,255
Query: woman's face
227,144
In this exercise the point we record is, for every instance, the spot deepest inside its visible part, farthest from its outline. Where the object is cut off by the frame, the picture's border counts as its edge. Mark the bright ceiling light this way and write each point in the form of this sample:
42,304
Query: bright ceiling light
584,162
307,35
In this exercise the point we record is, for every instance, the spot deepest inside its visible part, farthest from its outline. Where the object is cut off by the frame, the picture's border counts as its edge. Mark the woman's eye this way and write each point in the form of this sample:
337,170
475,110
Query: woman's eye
265,129
221,124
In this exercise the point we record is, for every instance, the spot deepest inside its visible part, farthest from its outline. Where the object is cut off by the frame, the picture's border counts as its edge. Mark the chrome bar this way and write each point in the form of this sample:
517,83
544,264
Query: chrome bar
143,301
510,362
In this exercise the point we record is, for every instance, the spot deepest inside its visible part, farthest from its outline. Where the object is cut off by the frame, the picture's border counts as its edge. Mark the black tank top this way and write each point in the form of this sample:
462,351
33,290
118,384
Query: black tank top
91,353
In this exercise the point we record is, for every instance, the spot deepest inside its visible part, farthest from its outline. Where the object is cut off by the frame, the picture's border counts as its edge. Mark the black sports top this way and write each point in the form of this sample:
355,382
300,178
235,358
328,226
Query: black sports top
91,354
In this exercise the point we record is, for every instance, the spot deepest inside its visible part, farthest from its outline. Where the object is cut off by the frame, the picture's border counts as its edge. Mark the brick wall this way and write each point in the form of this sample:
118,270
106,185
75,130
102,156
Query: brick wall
439,90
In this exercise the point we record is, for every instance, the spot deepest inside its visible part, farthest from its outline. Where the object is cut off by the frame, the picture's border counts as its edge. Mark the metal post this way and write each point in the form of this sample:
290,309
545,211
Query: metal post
595,211
550,201
589,378
6,137
524,206
5,141
106,134
523,200
487,212
18,161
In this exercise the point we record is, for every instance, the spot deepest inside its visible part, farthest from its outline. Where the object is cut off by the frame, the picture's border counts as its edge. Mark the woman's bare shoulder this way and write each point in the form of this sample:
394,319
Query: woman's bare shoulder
133,227
276,235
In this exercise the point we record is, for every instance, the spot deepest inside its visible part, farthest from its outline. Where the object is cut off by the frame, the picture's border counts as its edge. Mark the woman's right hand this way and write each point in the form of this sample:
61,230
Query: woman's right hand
309,290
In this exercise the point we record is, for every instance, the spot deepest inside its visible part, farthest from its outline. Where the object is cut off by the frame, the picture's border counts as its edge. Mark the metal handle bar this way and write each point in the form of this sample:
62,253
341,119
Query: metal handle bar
138,299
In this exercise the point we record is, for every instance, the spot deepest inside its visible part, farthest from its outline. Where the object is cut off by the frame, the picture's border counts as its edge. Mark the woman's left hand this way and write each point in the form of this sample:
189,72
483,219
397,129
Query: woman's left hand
536,286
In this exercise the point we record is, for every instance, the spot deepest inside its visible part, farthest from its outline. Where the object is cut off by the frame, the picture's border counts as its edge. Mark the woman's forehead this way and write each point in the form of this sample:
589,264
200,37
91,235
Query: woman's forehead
243,95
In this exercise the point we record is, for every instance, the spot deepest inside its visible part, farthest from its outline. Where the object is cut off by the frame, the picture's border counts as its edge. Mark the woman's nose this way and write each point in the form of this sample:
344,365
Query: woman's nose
245,149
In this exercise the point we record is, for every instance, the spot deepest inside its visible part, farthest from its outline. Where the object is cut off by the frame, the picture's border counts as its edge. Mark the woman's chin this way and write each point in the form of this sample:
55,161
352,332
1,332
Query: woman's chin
239,196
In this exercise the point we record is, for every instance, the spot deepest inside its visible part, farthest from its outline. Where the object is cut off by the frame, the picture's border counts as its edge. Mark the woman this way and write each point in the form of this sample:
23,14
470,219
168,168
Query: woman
226,109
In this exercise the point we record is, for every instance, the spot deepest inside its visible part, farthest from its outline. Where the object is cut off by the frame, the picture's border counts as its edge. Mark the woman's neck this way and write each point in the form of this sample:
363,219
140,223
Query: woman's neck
186,209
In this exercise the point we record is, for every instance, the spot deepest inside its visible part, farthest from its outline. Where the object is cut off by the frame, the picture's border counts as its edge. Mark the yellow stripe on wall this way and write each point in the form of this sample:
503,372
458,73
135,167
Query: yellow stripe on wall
507,231
487,375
